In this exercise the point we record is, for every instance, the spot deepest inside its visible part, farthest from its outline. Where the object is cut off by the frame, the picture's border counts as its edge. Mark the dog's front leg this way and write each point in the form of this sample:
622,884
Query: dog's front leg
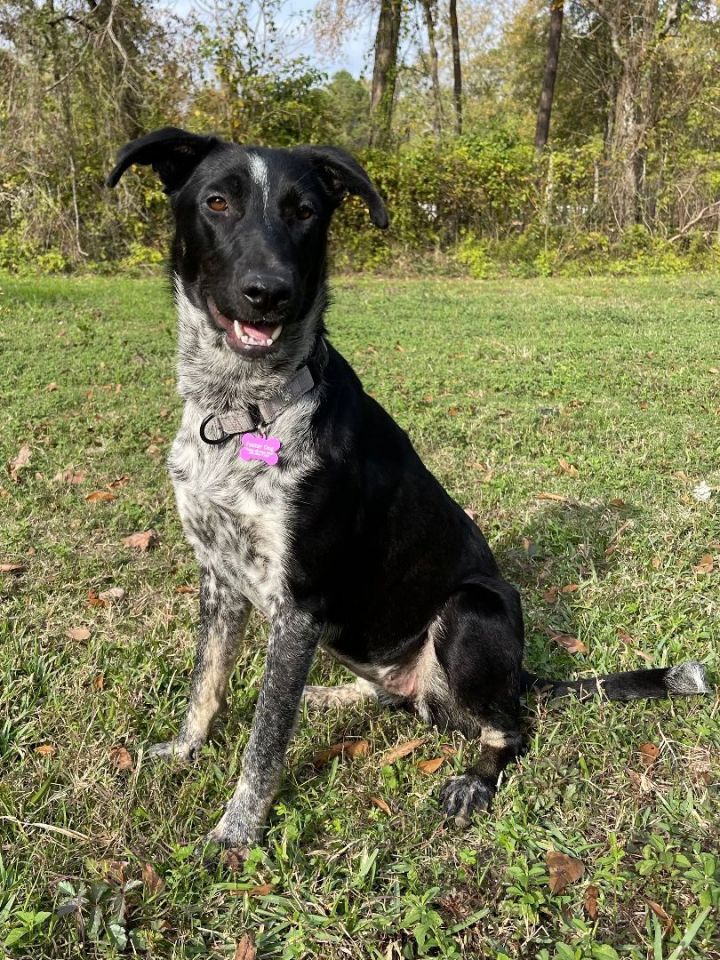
223,617
293,640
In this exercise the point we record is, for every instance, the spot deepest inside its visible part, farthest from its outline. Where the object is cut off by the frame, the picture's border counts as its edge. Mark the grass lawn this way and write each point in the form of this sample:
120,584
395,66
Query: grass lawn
576,419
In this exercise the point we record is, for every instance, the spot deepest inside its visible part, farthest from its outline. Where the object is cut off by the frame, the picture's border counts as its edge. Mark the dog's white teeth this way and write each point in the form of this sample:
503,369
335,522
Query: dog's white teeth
238,331
268,342
276,333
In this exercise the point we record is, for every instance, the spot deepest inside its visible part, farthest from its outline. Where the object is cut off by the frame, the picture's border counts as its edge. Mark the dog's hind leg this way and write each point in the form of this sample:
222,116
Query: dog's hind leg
223,617
474,687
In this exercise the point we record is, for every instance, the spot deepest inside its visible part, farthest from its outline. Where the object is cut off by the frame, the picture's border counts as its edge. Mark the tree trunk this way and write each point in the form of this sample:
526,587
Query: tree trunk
625,147
434,71
382,92
457,68
542,128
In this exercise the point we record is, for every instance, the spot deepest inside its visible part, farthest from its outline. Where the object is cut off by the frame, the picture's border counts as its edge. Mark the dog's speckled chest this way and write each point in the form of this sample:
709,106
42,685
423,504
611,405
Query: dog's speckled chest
237,514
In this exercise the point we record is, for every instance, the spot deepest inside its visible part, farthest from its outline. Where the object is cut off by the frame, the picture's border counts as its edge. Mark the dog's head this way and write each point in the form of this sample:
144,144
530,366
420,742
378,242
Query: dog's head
251,232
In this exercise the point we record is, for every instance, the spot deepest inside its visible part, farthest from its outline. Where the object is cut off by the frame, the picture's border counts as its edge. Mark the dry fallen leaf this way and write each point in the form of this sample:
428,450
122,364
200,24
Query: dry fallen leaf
120,758
569,643
660,912
619,504
568,468
625,637
46,750
112,595
99,681
649,753
21,461
430,766
570,588
78,633
186,588
551,595
51,387
154,451
563,870
141,541
70,476
381,805
344,748
119,482
151,881
656,563
390,756
262,890
554,497
100,496
245,948
590,901
115,871
12,567
706,564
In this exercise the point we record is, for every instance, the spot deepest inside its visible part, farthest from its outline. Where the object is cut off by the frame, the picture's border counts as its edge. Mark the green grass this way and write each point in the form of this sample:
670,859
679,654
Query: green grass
496,383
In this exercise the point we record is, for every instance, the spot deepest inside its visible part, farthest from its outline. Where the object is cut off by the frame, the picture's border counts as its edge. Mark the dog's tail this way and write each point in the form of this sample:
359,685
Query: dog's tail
685,680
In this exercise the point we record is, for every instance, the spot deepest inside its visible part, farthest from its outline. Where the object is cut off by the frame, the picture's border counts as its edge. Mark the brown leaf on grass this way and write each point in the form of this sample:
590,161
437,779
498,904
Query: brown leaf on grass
46,750
151,881
706,565
21,461
381,805
713,370
430,766
649,753
568,642
563,870
681,475
645,656
625,637
570,588
112,595
99,681
656,563
551,595
141,541
154,451
100,496
120,758
51,387
122,481
115,871
590,901
662,913
78,633
448,750
344,748
618,504
402,750
12,567
568,468
554,497
245,948
70,476
94,600
234,858
262,890
186,588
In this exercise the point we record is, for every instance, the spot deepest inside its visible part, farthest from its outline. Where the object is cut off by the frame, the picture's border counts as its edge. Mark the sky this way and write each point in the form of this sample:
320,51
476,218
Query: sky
354,55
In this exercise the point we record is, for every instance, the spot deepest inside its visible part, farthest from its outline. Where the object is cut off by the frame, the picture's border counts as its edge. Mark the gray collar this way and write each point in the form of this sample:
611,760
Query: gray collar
259,415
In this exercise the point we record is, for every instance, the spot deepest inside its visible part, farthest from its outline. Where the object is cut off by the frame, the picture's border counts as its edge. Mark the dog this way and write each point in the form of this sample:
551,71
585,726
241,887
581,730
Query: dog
303,498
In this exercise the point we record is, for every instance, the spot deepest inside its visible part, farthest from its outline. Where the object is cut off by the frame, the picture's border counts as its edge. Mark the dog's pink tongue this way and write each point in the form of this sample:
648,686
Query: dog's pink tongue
257,333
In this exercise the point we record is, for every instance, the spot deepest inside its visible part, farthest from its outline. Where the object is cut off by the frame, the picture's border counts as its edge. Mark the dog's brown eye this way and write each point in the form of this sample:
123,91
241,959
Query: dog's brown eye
304,213
218,204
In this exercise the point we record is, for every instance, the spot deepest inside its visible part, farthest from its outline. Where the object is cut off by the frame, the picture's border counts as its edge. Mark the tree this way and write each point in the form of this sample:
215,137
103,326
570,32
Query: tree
384,76
542,128
429,14
636,29
457,66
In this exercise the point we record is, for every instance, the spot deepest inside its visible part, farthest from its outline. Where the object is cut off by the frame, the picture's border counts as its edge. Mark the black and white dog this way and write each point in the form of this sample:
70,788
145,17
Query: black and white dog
302,497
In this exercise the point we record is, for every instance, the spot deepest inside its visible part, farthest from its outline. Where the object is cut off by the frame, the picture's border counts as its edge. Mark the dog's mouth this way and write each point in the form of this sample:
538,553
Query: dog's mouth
250,339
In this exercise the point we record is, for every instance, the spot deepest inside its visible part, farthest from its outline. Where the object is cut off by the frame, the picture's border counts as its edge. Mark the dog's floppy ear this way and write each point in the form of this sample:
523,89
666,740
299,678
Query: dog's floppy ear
342,174
172,153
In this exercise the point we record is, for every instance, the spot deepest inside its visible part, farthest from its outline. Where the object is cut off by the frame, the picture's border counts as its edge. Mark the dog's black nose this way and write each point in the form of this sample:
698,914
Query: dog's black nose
266,292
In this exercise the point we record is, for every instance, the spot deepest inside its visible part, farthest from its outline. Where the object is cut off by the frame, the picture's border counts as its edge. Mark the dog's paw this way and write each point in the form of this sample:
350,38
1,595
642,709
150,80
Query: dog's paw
179,750
465,795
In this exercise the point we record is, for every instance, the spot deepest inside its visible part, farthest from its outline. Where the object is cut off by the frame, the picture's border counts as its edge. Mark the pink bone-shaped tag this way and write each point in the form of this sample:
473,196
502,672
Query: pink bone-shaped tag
255,447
